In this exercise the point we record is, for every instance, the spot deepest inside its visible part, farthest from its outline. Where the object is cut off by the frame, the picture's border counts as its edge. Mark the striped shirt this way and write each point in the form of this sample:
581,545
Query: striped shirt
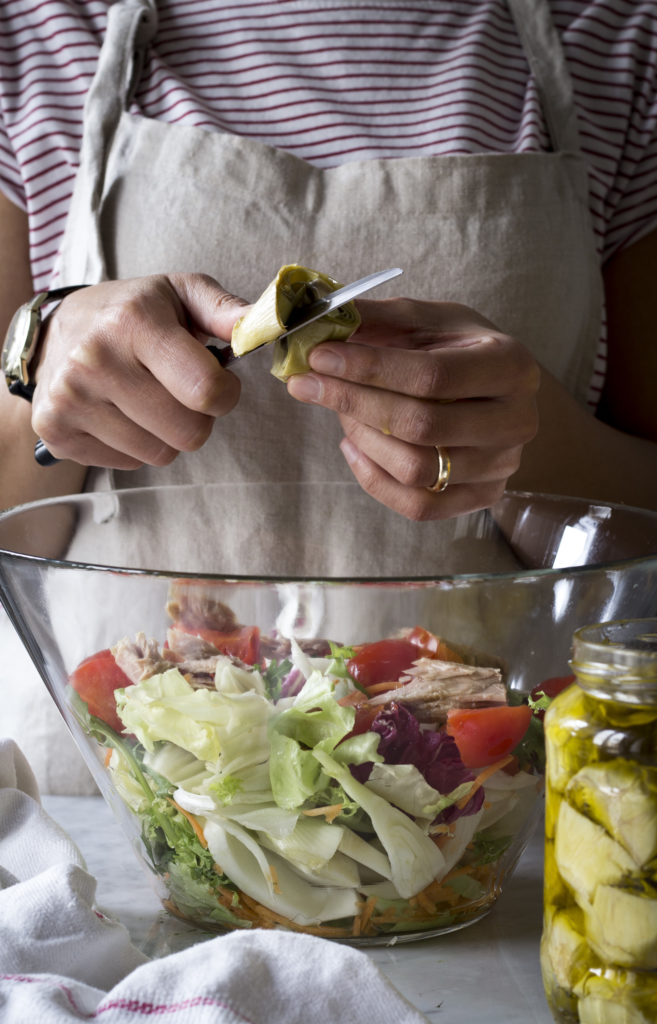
335,81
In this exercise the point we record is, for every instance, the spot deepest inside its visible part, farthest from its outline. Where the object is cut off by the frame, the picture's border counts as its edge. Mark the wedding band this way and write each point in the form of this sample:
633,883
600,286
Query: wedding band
444,469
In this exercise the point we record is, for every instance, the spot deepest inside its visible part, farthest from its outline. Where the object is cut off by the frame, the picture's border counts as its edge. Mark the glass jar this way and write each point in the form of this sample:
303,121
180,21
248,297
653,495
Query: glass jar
599,945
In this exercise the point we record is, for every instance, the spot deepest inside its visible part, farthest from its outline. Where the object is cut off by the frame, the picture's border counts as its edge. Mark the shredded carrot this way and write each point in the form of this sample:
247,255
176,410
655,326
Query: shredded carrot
440,830
383,687
513,767
192,821
330,812
269,919
427,905
447,653
481,778
366,913
389,916
274,879
353,699
108,756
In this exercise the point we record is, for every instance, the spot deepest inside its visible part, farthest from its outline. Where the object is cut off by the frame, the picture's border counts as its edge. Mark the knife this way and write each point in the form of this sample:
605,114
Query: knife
304,315
300,318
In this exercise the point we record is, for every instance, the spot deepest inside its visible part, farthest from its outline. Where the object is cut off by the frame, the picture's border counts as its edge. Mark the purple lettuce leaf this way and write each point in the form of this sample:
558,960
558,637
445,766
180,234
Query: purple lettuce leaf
434,754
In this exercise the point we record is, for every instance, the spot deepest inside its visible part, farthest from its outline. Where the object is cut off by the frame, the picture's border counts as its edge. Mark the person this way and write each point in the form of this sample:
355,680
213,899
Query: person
502,154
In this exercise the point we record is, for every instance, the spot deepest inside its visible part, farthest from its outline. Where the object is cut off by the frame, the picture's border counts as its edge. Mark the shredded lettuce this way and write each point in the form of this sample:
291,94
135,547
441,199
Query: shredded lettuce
294,773
227,727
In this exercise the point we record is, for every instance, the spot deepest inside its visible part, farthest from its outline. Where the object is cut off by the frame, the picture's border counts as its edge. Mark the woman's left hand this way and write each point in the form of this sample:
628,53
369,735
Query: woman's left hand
418,375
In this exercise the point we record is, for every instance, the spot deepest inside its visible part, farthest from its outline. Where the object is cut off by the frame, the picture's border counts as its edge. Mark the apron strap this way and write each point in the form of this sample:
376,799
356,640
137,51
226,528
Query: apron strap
131,24
547,62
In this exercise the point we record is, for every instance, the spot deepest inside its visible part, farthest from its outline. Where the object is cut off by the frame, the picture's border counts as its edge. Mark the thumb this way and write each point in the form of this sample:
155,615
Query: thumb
213,309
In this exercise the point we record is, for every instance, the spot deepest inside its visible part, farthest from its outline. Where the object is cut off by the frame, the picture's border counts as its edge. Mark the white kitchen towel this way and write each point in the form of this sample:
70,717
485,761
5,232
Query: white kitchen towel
62,961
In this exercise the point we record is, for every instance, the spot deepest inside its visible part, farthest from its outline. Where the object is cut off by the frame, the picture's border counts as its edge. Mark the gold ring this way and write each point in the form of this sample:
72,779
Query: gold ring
444,469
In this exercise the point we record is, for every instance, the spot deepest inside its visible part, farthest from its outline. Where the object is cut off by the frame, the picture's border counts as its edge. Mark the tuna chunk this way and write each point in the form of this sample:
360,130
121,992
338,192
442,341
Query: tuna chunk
140,658
192,603
431,687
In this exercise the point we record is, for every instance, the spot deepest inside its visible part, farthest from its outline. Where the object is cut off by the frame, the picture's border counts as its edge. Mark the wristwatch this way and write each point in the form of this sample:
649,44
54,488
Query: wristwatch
22,340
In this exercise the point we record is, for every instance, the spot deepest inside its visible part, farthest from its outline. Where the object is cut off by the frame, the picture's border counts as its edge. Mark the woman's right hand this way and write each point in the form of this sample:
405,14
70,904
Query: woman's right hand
124,377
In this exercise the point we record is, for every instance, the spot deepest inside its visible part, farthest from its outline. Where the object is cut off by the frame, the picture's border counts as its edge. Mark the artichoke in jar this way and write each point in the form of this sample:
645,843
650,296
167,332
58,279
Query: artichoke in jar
565,953
570,736
587,856
616,996
621,796
622,924
293,288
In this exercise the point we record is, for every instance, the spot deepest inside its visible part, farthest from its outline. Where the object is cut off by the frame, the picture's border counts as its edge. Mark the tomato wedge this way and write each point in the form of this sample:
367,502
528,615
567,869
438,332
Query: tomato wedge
95,679
382,661
431,646
242,643
484,735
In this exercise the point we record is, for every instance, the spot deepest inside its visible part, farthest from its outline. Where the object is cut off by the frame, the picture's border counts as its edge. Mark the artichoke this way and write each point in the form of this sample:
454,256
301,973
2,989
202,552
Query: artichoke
294,287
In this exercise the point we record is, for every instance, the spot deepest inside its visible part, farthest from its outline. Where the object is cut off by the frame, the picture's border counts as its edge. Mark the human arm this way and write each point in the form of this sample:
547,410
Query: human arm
121,376
21,478
611,456
487,425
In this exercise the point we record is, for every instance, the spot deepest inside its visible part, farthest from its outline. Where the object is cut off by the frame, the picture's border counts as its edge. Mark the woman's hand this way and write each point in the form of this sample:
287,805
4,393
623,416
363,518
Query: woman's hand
124,377
417,375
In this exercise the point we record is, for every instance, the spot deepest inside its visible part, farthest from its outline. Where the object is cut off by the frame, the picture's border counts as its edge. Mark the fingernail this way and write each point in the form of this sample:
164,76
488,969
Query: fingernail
326,360
349,450
306,387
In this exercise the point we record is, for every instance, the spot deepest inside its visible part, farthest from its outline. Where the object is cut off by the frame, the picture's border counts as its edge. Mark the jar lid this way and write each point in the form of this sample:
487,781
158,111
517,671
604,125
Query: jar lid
618,659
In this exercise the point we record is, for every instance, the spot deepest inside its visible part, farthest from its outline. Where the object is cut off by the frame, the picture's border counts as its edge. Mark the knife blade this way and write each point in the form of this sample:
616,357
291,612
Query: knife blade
303,315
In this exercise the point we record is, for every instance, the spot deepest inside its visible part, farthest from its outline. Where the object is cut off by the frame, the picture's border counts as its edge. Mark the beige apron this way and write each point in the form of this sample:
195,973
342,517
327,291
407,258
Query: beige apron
509,235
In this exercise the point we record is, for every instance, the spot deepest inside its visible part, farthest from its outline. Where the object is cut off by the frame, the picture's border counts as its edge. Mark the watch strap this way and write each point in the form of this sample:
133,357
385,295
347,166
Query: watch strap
20,383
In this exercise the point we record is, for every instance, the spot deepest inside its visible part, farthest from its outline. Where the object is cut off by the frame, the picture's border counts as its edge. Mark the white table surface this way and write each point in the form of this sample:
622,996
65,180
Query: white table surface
488,973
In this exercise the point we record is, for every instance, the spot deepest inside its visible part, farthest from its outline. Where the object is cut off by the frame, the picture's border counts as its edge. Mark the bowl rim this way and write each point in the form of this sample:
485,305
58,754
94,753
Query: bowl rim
428,580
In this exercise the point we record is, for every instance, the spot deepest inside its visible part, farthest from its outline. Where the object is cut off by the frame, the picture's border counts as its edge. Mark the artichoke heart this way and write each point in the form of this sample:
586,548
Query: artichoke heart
294,287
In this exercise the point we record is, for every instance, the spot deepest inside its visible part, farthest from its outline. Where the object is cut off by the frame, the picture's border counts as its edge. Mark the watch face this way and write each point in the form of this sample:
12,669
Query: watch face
19,342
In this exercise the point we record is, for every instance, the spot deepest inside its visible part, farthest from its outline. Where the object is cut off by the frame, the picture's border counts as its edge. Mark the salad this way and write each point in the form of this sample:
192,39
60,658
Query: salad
381,789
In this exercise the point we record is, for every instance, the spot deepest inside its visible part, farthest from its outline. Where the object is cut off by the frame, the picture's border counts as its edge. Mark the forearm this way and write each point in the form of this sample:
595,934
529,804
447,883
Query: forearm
21,478
575,453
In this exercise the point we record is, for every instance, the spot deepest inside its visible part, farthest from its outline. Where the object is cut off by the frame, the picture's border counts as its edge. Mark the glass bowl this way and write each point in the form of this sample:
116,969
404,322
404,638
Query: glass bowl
353,757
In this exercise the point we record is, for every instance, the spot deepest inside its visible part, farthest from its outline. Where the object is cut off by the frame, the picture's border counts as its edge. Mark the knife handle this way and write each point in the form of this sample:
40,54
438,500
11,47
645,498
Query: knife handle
224,355
42,455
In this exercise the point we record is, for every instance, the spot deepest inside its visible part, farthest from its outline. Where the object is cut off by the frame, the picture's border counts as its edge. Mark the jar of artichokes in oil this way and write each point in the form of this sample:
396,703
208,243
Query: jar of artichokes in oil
599,945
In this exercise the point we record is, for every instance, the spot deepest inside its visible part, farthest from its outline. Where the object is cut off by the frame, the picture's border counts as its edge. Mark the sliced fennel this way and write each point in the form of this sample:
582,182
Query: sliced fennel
415,860
404,786
310,844
267,879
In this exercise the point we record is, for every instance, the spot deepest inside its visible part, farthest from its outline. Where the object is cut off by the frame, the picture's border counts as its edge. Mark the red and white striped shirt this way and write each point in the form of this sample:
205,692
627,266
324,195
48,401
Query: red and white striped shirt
335,81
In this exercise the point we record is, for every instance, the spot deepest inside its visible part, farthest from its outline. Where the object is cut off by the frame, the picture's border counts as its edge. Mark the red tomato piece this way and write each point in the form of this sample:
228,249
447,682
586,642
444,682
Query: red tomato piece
551,688
95,679
382,661
365,715
242,643
484,735
431,646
